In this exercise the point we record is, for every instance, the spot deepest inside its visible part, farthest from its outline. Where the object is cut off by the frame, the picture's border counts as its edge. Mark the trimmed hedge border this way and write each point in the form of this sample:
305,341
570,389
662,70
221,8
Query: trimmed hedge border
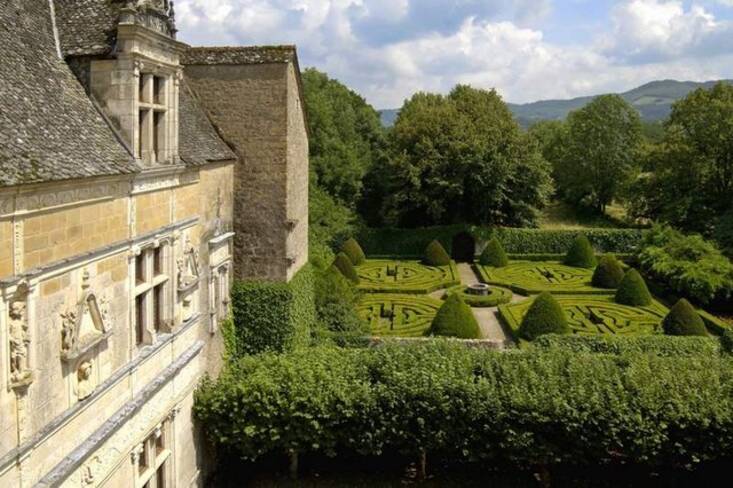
271,317
659,345
494,276
412,242
440,400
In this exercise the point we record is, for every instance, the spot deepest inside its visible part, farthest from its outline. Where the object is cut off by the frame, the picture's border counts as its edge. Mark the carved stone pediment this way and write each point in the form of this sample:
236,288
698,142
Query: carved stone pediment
86,326
158,15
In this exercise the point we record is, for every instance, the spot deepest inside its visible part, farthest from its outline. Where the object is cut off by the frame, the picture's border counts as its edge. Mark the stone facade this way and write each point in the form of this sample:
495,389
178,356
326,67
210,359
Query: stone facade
258,109
117,252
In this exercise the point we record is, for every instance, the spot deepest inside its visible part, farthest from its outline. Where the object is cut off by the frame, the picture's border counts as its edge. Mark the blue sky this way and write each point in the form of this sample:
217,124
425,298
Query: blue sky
526,49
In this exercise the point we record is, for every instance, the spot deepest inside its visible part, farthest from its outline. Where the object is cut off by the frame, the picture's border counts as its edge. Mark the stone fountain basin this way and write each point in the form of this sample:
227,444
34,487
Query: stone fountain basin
478,289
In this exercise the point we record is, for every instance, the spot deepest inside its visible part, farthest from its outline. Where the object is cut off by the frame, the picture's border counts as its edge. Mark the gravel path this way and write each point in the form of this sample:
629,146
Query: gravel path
488,318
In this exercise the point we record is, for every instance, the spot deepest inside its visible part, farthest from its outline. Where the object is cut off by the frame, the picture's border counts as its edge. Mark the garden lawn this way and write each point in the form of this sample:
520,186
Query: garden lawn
595,315
398,315
413,277
533,277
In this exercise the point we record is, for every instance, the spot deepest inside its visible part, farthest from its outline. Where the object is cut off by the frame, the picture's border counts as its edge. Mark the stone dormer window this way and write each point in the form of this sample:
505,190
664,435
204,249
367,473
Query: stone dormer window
153,141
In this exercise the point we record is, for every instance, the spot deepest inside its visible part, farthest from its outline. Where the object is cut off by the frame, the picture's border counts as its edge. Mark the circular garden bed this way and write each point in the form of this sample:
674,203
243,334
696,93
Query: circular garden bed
532,277
594,315
386,276
496,296
398,315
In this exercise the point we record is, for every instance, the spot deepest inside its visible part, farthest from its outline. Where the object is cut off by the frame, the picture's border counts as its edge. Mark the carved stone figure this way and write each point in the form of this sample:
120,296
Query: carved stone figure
68,326
20,371
84,383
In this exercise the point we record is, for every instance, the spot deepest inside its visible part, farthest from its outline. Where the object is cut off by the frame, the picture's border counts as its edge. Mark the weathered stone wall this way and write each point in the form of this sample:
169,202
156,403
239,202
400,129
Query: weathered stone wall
6,248
297,174
249,106
153,211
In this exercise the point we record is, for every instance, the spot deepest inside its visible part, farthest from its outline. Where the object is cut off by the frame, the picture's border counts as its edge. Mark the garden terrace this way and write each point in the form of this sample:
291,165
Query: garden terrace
532,277
596,315
386,276
496,296
398,315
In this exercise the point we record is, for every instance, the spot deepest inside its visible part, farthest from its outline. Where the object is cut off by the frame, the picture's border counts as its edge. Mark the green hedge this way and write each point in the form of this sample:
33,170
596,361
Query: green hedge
658,345
497,296
450,402
412,242
269,316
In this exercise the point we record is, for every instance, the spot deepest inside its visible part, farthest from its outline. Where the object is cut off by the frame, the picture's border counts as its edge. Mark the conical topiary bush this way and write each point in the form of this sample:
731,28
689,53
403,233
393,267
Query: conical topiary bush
581,253
343,264
633,291
608,273
683,320
545,316
354,251
494,255
436,255
455,319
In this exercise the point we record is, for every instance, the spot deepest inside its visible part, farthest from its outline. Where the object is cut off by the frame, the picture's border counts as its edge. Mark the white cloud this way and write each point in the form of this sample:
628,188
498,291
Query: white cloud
388,49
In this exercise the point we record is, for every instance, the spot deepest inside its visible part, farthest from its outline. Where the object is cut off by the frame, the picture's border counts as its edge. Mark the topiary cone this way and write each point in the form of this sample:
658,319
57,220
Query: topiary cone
494,255
581,253
436,255
354,251
455,319
545,316
633,291
608,273
683,320
343,264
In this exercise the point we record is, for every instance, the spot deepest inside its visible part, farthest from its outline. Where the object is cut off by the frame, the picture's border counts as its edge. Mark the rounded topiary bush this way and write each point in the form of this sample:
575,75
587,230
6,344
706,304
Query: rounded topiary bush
455,319
494,255
608,273
436,255
354,251
344,265
683,320
545,316
633,291
581,253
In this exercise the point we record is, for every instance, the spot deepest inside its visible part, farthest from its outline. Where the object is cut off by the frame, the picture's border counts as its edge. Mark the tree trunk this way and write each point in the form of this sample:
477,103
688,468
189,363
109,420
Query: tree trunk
422,465
293,468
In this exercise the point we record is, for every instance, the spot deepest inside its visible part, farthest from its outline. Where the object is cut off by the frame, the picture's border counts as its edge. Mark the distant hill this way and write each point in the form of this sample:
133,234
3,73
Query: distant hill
653,101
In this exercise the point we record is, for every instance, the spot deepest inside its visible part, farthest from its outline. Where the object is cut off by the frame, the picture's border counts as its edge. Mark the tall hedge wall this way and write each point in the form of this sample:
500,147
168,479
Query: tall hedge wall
412,242
270,317
455,403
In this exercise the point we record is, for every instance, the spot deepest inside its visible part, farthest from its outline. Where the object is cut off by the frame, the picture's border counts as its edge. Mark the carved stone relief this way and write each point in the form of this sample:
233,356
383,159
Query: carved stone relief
85,383
86,326
20,340
188,278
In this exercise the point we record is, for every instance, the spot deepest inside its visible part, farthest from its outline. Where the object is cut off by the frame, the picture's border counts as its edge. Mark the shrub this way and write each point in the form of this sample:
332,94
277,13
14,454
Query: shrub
494,255
608,273
545,316
270,316
455,319
435,255
344,265
689,265
581,253
633,291
726,341
531,407
658,345
336,300
496,296
353,250
683,320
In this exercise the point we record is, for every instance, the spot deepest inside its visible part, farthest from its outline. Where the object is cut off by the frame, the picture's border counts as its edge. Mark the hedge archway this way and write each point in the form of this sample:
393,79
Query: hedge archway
463,248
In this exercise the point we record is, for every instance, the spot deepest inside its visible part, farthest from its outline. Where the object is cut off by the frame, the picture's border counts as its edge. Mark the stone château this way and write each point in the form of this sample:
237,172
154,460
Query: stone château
138,177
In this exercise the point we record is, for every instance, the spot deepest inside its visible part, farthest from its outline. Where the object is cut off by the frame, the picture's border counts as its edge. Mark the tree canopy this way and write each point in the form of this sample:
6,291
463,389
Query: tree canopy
463,158
599,153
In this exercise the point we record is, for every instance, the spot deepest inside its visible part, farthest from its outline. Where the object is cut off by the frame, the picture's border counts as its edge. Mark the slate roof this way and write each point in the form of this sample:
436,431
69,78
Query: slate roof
49,129
198,141
239,55
87,27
